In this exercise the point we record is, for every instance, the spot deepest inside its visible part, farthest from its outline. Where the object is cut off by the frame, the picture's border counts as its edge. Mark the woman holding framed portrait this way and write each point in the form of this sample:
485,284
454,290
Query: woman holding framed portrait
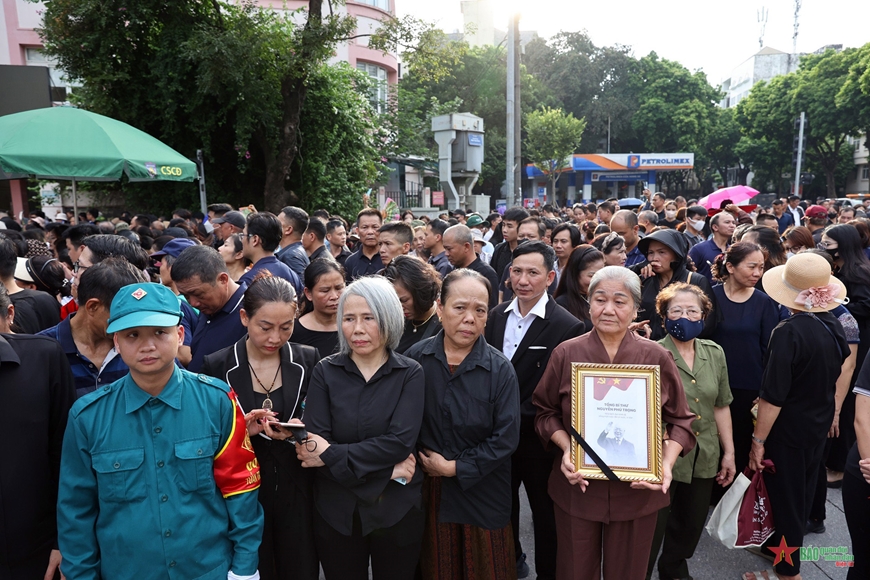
704,375
596,520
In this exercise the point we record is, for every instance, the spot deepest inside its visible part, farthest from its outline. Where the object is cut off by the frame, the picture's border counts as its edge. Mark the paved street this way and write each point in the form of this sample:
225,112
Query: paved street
713,561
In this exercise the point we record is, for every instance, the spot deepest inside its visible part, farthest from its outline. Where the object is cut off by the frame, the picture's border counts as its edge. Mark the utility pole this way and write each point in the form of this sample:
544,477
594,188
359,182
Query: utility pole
800,154
510,129
518,112
793,59
608,134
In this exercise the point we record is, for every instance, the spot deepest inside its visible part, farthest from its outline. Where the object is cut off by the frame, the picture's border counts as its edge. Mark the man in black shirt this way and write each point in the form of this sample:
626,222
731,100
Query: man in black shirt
434,244
366,260
459,247
510,226
37,395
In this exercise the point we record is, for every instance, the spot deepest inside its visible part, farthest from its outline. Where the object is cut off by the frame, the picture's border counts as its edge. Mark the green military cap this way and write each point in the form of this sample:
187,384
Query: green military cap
143,305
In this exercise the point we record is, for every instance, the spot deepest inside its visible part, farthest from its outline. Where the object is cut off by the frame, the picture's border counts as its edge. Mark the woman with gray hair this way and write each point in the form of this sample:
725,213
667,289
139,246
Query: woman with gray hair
363,415
595,520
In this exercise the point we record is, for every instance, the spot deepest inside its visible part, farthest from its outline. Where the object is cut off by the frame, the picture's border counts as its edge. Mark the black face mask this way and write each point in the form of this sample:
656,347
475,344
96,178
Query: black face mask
834,253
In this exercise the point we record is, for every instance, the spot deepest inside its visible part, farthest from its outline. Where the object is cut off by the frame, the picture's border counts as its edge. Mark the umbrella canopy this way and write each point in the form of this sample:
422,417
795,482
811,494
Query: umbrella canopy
630,202
73,144
737,194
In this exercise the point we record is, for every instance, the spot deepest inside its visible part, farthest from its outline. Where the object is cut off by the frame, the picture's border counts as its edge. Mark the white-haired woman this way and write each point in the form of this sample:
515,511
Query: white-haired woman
363,415
595,520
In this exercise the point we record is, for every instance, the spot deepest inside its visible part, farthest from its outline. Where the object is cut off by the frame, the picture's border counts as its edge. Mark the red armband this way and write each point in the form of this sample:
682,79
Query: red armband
236,469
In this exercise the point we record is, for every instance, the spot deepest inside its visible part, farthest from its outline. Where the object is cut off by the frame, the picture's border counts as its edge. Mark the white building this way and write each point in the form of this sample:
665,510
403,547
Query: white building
762,66
859,179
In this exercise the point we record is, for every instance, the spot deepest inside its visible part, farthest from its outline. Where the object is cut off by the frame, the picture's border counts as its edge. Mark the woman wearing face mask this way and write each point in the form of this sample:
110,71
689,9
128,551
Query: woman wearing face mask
797,239
670,221
666,252
747,317
843,243
696,225
701,363
612,245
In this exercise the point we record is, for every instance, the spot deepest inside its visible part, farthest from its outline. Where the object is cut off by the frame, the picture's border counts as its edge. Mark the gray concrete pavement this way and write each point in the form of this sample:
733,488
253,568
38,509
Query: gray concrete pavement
713,561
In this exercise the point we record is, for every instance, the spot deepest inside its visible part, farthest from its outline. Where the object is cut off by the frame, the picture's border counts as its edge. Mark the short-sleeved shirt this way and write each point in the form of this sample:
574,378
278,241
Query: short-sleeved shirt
706,387
802,365
217,331
743,332
86,375
784,222
849,323
441,264
358,265
138,493
189,318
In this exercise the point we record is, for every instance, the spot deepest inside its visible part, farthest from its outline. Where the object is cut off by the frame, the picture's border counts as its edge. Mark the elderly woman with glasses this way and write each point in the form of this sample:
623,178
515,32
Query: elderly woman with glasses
363,414
596,520
704,376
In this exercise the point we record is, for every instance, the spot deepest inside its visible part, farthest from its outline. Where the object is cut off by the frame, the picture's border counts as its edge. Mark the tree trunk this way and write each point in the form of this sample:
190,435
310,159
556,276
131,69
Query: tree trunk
293,93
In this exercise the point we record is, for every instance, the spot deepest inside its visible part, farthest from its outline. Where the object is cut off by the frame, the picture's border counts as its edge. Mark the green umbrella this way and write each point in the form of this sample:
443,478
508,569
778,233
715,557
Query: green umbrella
73,144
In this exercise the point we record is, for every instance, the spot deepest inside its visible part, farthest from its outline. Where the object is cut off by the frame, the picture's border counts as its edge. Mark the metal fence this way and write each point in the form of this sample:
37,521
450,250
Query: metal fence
411,195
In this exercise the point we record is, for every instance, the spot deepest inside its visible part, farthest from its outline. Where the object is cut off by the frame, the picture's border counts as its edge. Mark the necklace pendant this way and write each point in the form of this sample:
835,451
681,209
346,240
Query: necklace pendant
415,330
267,404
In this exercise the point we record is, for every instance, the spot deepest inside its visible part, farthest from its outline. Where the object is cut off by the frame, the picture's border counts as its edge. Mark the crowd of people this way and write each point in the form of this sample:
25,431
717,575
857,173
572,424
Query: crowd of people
242,394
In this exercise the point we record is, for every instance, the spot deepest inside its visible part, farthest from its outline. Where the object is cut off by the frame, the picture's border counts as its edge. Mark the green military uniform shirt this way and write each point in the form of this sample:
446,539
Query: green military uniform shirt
138,496
706,387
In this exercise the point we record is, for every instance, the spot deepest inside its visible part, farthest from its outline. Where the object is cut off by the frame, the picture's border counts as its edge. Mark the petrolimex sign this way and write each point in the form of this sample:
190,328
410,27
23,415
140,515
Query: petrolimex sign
660,161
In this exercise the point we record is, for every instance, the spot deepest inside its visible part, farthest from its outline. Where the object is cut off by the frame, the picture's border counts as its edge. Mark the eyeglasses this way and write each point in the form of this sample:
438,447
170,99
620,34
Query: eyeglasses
826,245
78,267
679,311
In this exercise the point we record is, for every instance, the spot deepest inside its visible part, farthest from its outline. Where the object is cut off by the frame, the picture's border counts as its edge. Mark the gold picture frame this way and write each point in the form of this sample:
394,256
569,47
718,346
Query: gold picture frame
618,411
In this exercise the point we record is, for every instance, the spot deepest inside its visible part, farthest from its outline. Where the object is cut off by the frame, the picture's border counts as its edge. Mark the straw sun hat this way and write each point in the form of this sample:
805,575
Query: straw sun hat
805,283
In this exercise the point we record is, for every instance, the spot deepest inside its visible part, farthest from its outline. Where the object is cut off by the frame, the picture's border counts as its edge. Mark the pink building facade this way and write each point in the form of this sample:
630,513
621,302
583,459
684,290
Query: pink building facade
20,45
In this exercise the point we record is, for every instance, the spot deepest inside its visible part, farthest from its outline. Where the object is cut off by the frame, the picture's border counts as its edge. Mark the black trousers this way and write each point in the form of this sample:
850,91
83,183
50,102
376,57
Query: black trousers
287,550
679,527
840,446
791,491
856,504
819,511
32,568
394,551
531,466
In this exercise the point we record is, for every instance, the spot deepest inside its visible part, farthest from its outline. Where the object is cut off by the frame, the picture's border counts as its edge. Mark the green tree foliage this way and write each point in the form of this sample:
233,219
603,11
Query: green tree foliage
339,142
552,136
591,82
831,121
227,77
475,85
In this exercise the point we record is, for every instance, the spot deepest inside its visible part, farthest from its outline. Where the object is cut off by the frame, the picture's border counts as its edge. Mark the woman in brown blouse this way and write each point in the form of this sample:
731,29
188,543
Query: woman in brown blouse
616,517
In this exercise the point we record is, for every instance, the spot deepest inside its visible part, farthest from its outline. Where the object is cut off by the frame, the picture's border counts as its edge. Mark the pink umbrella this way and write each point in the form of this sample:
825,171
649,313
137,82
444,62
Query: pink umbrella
737,194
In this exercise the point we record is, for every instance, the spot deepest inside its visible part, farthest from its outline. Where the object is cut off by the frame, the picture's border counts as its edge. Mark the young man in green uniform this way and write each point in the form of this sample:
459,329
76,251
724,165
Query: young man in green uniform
158,476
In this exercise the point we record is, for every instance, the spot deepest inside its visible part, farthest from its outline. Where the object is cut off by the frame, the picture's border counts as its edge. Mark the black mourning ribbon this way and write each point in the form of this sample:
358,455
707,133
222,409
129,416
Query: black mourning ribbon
588,449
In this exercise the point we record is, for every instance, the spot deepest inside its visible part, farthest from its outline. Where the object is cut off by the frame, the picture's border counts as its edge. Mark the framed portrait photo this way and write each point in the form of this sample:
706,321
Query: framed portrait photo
617,409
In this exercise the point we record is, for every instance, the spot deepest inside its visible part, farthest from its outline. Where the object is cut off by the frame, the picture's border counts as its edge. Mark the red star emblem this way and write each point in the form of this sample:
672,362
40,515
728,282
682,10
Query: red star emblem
783,552
139,294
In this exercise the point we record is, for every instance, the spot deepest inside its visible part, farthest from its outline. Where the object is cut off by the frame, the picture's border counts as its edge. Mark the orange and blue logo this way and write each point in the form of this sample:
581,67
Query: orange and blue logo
633,161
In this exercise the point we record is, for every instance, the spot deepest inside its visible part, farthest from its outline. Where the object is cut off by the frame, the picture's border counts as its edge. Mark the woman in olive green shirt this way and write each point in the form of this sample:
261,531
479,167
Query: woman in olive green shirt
683,308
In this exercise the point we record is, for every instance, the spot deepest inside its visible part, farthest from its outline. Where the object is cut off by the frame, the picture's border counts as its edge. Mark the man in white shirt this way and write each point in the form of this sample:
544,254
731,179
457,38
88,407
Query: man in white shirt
526,330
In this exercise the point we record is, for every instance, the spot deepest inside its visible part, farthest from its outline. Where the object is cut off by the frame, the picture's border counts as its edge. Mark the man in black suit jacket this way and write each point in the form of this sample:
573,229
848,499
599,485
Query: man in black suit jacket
526,330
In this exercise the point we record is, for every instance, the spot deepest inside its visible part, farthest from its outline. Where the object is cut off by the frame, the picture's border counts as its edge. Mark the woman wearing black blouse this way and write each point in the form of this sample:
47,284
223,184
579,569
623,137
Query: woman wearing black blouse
270,377
317,326
363,415
470,429
417,285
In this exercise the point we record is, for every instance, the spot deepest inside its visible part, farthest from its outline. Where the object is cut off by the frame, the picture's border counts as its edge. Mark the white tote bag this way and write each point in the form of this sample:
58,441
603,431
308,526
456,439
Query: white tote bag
723,522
